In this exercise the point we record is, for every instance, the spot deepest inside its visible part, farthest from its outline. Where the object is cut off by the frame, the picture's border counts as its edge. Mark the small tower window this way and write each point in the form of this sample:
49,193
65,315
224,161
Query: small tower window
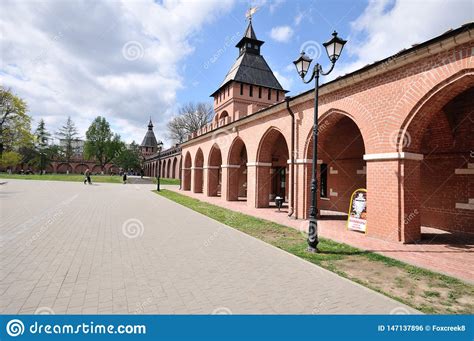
259,92
278,95
241,89
269,94
249,45
251,91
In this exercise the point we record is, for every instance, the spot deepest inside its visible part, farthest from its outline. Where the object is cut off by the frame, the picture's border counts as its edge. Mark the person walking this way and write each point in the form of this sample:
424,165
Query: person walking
124,177
87,178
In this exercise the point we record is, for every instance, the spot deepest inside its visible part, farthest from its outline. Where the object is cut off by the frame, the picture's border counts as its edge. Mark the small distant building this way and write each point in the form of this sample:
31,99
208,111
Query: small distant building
149,144
167,163
77,146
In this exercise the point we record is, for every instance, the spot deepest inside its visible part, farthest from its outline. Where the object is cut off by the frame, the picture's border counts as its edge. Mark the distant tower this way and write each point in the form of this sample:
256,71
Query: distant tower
149,143
250,85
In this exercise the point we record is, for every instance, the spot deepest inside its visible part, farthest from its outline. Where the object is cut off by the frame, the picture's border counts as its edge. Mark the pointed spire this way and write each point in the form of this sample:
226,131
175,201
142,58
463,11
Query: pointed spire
150,125
249,42
249,32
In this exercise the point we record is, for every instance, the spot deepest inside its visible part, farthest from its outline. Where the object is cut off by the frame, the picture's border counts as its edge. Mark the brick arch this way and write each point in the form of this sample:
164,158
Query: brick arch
341,168
173,170
439,128
358,112
113,169
235,147
49,168
271,167
64,167
214,171
96,169
327,121
197,171
162,168
223,114
187,172
80,168
425,108
168,169
237,170
266,142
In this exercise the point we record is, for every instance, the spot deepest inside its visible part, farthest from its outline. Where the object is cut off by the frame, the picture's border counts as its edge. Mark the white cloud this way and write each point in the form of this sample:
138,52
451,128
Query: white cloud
281,34
72,58
386,27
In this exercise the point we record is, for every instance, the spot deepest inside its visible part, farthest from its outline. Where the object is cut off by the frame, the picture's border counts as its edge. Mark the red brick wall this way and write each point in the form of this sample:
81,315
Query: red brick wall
392,107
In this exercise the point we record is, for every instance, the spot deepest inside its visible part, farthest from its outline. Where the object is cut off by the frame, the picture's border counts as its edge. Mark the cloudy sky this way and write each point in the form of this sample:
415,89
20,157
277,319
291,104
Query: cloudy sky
129,60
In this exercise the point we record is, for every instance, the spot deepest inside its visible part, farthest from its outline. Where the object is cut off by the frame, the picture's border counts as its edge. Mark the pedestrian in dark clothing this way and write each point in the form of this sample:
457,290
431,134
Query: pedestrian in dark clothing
124,178
87,175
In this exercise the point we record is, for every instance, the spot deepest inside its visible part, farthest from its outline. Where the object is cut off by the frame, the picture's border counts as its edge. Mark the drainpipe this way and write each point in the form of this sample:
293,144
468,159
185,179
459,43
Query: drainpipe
292,155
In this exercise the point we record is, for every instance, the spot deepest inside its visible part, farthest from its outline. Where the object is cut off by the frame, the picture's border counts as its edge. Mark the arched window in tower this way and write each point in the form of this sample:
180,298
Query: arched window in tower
241,88
259,92
269,94
251,91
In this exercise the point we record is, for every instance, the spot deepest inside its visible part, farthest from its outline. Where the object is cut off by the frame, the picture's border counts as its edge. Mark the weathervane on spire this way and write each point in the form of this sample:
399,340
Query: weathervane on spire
250,12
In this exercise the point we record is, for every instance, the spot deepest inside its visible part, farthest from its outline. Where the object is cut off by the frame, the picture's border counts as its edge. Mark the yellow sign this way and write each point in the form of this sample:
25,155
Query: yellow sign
357,217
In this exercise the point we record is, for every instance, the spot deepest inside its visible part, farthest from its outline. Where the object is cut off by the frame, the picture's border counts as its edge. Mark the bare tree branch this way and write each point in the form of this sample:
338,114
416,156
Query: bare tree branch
191,117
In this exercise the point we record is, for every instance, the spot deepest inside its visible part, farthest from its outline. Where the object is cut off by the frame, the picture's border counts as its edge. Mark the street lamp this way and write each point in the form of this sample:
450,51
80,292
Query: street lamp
333,48
159,146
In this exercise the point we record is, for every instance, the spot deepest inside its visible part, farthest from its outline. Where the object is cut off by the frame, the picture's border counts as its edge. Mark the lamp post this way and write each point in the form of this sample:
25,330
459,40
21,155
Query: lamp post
333,49
159,146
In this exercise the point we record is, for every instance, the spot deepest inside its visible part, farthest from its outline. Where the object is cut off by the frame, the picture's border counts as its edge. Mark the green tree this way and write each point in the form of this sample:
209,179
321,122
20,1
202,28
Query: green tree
42,146
129,158
10,159
101,143
15,124
68,136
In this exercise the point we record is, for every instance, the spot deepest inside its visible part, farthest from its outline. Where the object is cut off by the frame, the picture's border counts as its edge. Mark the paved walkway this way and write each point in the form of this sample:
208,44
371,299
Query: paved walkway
438,251
110,248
